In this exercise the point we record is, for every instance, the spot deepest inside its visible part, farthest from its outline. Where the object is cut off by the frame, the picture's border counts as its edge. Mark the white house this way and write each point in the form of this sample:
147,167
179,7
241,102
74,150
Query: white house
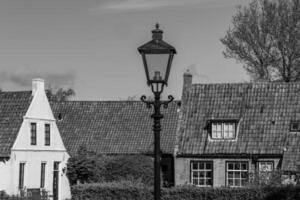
32,152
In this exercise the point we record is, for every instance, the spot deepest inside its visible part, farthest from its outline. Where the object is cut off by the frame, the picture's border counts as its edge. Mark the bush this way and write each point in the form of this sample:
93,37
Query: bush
88,167
127,190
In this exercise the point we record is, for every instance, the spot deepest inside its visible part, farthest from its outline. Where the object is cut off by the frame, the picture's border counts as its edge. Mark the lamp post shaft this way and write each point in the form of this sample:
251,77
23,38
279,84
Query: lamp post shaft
157,116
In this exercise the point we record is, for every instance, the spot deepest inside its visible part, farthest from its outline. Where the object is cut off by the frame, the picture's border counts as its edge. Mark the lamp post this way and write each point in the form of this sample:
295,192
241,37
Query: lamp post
157,58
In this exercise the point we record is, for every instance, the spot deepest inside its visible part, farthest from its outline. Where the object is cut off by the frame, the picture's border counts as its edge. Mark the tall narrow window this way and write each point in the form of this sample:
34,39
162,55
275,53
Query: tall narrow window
21,175
33,133
43,169
47,134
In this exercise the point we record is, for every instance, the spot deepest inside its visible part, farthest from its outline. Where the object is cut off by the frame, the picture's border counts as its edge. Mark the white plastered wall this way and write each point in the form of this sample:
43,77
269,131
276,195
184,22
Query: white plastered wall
39,112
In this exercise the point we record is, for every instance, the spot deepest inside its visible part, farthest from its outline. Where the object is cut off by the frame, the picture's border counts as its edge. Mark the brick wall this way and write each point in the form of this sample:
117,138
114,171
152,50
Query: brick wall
183,172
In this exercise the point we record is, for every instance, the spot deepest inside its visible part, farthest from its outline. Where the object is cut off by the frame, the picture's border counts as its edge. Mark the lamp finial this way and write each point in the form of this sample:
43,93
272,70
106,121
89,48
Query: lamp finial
157,33
157,25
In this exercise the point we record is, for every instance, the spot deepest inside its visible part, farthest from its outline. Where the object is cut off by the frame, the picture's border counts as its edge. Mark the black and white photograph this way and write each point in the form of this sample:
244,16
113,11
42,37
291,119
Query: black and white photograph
149,99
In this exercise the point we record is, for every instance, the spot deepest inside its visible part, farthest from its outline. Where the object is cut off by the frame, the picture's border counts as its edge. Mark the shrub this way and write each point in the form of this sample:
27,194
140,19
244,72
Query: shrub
88,167
126,190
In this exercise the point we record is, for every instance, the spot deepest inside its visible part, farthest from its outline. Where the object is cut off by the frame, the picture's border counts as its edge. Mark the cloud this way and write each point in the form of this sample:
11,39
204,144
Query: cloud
125,5
192,69
22,77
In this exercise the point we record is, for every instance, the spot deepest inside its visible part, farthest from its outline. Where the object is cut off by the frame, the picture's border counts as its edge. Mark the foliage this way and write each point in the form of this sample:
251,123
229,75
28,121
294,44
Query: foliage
131,191
88,167
265,37
60,94
3,194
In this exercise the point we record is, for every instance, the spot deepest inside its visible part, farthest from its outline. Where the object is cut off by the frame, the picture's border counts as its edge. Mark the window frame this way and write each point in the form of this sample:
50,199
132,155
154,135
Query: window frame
43,174
33,133
291,126
205,178
223,122
265,161
233,170
47,134
21,175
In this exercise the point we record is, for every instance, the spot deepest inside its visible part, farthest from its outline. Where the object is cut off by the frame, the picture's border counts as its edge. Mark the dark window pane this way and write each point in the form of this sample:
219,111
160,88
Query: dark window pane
208,166
236,174
33,133
209,174
237,166
244,182
195,174
209,182
230,165
230,182
201,165
43,167
244,166
237,182
47,134
195,182
244,175
201,182
201,174
21,175
195,165
230,174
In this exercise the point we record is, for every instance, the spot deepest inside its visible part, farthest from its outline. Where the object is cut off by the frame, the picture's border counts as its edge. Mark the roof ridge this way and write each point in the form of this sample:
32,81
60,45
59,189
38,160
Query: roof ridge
106,101
249,83
18,91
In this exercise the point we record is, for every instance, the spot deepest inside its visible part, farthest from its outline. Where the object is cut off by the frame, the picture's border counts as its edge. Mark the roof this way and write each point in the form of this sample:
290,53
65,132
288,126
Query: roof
264,111
113,127
13,106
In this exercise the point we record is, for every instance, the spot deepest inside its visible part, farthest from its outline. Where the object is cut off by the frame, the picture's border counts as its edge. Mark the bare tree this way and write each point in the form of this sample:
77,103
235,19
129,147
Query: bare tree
265,37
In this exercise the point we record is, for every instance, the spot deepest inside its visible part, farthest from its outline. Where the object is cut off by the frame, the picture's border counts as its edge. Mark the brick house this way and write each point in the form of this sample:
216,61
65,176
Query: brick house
226,132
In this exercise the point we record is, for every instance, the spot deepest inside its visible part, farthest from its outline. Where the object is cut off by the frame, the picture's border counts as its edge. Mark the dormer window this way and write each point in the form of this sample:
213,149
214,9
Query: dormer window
295,126
223,130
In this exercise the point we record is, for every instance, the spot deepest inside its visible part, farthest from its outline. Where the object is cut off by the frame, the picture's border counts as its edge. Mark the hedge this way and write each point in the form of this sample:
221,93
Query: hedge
131,191
88,167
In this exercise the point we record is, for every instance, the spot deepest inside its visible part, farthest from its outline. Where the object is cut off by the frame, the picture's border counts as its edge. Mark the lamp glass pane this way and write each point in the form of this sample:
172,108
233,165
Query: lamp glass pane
157,66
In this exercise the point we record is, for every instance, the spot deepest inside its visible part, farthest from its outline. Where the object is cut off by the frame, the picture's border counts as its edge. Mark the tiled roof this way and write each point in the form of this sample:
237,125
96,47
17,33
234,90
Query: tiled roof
264,111
291,156
13,107
113,127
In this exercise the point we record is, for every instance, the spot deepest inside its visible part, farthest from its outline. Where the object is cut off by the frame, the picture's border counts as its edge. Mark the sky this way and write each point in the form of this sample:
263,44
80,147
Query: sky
91,45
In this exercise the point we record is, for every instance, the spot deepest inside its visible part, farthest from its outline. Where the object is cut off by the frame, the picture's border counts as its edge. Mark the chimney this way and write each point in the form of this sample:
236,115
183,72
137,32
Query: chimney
187,82
37,84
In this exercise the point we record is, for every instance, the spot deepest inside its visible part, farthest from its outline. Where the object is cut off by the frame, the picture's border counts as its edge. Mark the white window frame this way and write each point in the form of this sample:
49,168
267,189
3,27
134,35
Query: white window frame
270,163
196,178
21,177
222,131
43,174
237,173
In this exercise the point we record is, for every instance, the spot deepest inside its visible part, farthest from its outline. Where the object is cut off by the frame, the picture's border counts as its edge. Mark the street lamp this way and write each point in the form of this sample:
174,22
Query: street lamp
157,58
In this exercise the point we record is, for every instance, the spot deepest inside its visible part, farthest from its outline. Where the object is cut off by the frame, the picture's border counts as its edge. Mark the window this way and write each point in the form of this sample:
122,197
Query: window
265,166
295,126
21,175
223,130
202,173
236,174
47,134
43,170
265,169
33,133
